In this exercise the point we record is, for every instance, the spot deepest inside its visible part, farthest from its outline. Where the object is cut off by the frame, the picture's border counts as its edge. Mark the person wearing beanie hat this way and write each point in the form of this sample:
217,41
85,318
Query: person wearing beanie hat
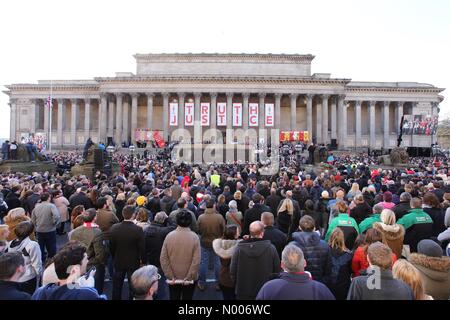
234,216
434,269
140,201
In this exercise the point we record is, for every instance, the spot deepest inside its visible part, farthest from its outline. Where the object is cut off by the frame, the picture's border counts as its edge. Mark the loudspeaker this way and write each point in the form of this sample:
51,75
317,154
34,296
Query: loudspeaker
333,144
98,159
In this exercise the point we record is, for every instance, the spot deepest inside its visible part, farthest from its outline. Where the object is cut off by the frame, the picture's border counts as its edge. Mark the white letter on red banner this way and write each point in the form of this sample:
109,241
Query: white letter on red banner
173,114
253,114
269,114
237,114
221,114
189,114
204,113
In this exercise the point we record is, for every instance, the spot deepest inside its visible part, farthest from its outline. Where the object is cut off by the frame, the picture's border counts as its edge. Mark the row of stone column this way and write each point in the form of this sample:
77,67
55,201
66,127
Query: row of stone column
121,131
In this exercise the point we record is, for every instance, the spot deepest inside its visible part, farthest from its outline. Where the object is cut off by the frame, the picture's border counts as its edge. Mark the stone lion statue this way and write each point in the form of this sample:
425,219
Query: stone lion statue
399,156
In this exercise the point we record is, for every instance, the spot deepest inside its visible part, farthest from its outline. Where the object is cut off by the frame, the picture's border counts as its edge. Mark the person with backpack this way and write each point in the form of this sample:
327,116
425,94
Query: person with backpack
32,256
341,265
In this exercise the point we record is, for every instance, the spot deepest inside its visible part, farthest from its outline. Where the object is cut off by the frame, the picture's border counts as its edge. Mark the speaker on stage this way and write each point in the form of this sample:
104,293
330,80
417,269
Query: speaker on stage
98,159
333,144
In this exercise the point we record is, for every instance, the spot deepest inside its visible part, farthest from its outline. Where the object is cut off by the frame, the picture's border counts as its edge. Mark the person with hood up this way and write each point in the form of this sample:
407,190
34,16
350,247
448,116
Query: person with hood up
224,248
253,262
316,251
32,256
392,233
434,269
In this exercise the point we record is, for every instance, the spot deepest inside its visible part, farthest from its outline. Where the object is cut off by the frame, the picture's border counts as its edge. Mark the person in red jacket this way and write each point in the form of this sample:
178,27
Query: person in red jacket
359,261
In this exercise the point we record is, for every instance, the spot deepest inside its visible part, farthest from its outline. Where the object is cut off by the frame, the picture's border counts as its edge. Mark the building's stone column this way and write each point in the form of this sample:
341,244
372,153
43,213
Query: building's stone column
125,122
13,120
197,118
134,113
87,118
261,123
165,116
342,109
229,130
357,122
325,118
119,114
150,96
32,116
309,98
74,121
61,117
333,119
386,124
213,120
293,111
398,116
245,97
181,96
372,138
102,120
111,108
319,122
278,111
47,110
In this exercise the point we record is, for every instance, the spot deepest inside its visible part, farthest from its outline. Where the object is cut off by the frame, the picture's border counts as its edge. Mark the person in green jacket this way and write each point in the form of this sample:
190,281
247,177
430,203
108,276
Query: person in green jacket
417,223
346,223
368,222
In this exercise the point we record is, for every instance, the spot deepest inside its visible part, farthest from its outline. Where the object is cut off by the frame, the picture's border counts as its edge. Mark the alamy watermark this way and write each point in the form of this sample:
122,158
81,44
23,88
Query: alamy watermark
252,146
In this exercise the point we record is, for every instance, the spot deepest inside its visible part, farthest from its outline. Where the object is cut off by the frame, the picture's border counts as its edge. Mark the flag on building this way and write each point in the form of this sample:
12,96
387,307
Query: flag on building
49,102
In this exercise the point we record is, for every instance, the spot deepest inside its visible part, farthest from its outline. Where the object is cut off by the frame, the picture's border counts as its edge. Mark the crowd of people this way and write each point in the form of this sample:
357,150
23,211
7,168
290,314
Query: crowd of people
297,234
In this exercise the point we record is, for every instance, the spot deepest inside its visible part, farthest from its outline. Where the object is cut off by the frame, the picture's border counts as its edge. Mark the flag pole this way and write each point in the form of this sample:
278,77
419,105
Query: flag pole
50,117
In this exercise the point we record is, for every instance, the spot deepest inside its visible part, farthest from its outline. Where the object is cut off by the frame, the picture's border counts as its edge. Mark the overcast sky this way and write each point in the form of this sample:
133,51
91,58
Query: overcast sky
401,40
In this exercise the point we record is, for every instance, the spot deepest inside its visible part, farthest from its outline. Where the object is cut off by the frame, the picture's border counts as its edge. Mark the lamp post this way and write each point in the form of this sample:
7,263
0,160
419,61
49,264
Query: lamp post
132,148
110,151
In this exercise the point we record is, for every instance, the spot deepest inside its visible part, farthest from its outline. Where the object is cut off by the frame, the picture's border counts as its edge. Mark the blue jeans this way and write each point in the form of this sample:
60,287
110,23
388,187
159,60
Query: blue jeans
207,255
47,241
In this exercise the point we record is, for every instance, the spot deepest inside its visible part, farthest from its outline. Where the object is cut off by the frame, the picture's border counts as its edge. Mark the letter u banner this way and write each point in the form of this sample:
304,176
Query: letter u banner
189,114
221,114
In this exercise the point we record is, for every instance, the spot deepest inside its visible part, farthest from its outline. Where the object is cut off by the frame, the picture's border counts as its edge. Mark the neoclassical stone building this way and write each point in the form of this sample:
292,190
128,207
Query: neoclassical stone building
356,114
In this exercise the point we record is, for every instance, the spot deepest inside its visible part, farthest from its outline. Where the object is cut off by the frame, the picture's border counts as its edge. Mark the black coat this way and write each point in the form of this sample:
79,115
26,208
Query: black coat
276,237
154,205
127,245
166,204
341,270
401,209
361,212
155,234
242,205
253,214
80,199
10,291
317,253
273,201
438,215
13,201
31,201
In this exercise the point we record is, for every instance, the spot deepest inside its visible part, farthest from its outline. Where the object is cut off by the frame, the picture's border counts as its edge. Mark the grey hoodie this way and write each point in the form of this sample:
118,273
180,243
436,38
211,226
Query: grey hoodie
445,236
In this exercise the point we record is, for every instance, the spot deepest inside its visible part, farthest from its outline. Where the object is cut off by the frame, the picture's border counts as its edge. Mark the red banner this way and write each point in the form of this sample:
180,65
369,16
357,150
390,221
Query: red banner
158,139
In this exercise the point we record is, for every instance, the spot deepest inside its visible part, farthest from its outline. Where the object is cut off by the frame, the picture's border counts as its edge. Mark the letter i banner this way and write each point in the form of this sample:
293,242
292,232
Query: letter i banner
158,139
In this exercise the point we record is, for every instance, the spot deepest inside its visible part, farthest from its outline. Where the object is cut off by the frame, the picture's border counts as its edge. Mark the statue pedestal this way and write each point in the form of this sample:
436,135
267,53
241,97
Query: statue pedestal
26,166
